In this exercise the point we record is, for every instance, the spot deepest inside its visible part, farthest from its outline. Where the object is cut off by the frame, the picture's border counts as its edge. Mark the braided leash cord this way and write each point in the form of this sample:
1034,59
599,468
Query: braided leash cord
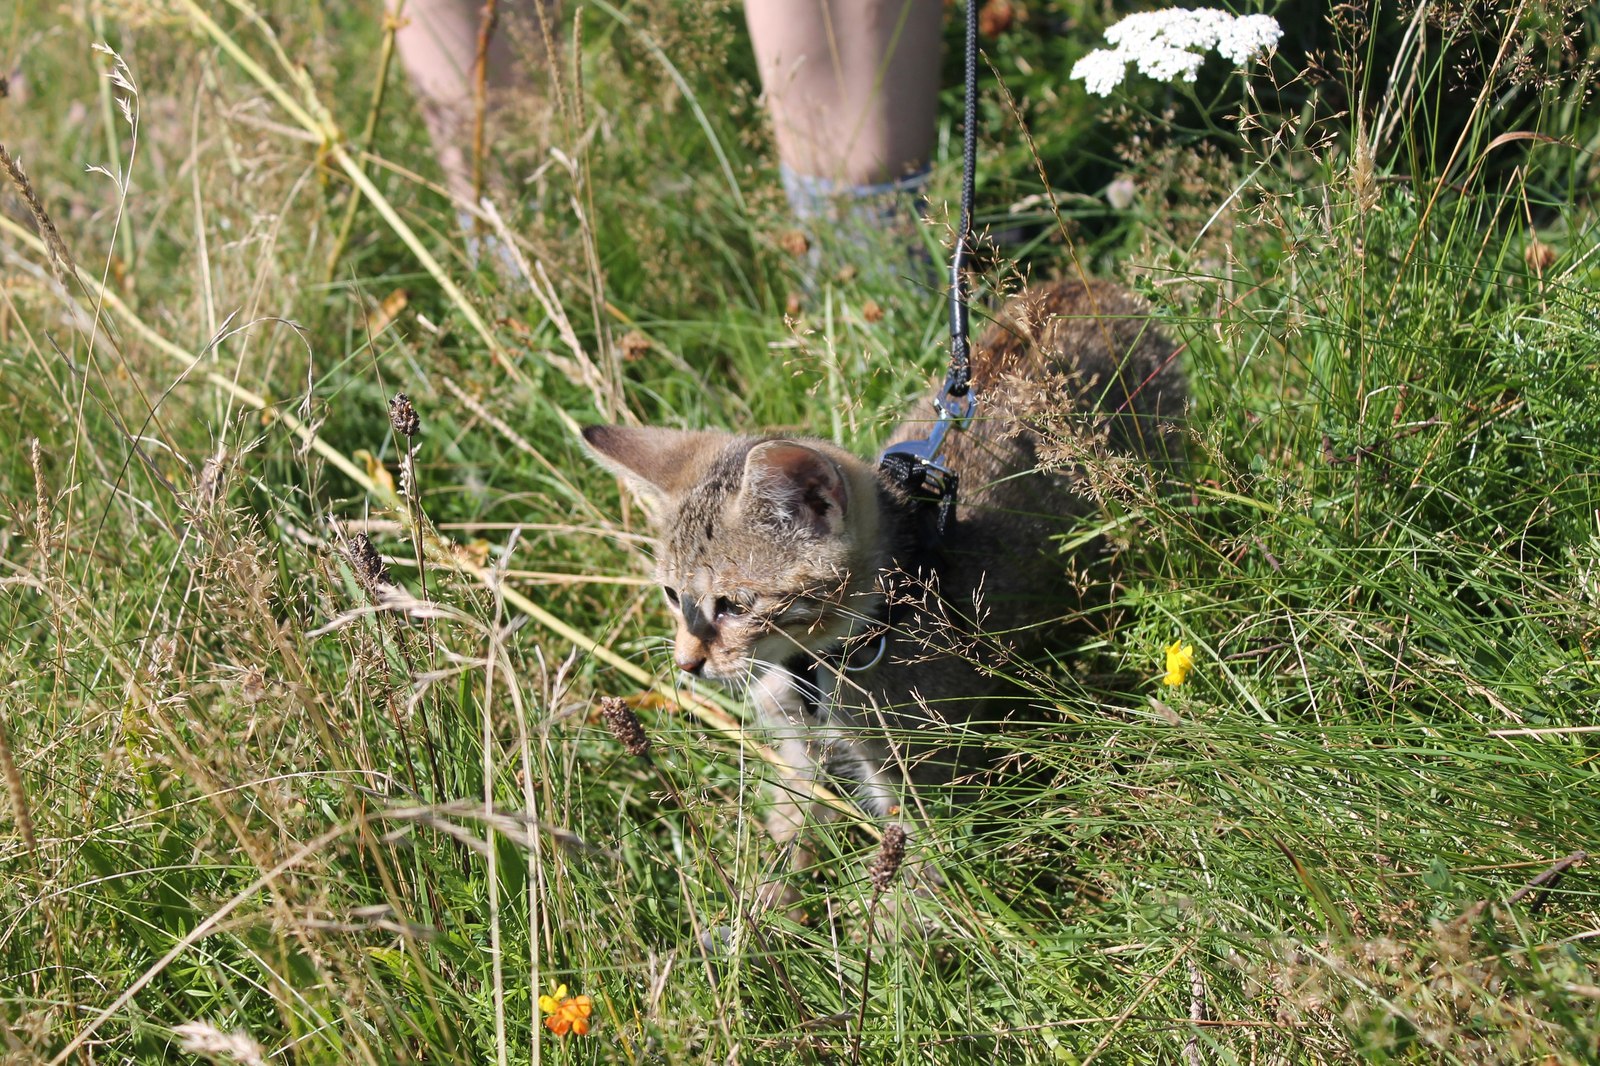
959,380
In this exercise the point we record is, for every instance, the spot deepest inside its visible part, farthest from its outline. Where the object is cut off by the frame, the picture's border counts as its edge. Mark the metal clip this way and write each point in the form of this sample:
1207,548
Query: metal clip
954,413
915,466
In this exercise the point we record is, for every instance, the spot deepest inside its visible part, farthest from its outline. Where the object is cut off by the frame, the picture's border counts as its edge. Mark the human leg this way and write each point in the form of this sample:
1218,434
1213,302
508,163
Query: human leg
851,86
438,46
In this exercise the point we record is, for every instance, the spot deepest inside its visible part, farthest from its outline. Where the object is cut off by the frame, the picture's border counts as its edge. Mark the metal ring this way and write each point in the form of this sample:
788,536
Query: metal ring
883,646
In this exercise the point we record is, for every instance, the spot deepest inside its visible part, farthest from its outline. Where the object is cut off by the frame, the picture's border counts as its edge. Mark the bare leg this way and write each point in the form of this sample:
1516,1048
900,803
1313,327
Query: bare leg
852,89
851,86
438,44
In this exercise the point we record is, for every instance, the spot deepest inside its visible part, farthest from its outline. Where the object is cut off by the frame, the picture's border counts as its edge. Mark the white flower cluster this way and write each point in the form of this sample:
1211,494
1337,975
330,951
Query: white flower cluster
1172,44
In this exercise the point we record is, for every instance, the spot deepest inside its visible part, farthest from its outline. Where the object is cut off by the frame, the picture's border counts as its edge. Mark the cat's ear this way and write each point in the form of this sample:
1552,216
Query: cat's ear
796,486
659,464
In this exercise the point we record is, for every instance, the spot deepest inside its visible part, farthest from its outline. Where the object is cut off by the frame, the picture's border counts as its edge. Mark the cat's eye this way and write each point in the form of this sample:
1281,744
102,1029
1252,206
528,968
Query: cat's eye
800,612
672,595
726,608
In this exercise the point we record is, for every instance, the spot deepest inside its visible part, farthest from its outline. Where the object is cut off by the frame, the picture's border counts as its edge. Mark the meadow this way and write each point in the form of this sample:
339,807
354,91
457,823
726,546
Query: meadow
300,728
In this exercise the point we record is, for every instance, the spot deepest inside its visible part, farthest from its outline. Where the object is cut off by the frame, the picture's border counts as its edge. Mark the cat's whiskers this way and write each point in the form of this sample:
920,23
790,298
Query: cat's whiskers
800,682
657,645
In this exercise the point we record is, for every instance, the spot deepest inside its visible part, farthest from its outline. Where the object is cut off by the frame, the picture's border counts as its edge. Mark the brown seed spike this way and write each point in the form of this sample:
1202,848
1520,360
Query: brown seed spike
18,795
60,259
367,562
403,416
891,853
43,528
625,726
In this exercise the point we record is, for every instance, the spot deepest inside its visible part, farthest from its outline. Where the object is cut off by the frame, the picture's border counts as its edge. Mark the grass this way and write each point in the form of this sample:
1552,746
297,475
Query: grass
249,789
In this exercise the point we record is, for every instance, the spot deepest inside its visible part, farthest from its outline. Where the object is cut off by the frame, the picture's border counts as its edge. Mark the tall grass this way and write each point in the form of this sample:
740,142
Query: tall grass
268,800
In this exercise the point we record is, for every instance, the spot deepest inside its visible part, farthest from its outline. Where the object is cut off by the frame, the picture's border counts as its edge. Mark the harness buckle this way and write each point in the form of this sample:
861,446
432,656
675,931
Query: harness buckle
915,466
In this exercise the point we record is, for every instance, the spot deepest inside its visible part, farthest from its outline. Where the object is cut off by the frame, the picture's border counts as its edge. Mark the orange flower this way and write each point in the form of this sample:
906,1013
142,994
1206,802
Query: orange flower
567,1014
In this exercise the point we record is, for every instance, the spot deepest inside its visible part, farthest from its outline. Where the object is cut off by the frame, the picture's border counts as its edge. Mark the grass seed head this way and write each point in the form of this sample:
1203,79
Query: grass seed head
43,529
403,416
61,263
18,795
891,853
367,562
208,483
625,726
1364,176
206,1041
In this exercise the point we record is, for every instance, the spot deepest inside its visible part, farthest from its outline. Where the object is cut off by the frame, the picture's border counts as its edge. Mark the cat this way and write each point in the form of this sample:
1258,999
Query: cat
871,651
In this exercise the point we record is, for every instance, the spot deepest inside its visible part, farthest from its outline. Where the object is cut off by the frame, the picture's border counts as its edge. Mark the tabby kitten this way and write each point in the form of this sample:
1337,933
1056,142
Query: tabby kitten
798,573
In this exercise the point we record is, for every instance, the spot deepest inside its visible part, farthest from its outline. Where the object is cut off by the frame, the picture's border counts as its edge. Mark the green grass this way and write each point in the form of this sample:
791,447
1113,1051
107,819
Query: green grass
245,794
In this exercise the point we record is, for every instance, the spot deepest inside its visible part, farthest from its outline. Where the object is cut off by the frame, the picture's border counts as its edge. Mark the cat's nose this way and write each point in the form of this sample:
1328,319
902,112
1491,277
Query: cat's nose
692,665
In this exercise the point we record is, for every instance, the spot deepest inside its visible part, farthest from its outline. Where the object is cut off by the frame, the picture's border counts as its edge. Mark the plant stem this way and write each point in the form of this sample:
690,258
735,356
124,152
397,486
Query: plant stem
391,24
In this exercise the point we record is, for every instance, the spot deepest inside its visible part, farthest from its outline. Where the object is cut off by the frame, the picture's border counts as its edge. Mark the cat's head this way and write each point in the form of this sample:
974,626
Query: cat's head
765,544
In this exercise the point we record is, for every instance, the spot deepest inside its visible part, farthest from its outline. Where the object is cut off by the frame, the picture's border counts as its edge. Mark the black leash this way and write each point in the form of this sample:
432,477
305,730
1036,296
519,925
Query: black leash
959,382
915,465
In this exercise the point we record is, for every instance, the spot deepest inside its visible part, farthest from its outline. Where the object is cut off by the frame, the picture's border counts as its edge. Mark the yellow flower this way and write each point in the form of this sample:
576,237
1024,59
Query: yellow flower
567,1014
1180,660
